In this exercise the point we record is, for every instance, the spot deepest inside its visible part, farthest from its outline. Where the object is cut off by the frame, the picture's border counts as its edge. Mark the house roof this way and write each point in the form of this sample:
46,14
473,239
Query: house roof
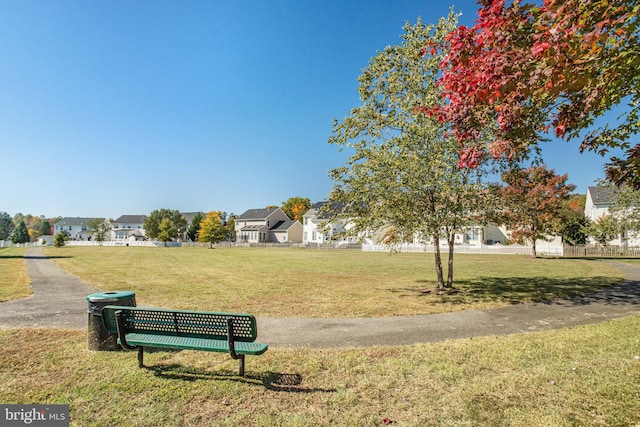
320,213
73,221
602,195
310,213
190,215
257,213
283,225
130,219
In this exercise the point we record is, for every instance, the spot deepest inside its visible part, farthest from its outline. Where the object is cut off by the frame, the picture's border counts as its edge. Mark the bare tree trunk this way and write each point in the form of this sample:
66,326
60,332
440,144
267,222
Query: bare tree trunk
438,259
451,241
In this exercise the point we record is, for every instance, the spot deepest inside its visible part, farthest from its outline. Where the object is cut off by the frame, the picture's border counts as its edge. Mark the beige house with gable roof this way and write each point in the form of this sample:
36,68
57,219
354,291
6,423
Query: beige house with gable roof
269,225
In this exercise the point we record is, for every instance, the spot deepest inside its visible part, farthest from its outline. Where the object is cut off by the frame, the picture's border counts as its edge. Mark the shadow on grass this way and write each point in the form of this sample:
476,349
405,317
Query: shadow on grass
517,290
33,257
48,257
274,381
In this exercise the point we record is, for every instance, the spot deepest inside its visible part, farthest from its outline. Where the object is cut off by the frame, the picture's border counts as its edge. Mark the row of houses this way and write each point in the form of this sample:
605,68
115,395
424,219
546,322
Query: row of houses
268,225
272,225
125,228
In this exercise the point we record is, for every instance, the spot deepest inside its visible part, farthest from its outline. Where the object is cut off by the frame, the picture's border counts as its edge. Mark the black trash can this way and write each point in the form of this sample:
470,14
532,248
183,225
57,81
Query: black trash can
99,338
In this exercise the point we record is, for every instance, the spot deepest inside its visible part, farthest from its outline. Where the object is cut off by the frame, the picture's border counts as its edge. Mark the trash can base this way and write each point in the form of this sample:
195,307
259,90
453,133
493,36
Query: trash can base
98,337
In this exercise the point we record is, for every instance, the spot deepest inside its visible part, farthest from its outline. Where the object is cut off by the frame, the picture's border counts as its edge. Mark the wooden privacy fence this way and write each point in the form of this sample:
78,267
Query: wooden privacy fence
601,251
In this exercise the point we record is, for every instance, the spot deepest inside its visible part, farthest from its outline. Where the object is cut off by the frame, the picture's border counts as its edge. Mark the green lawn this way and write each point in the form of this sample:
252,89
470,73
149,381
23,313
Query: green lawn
323,283
585,376
14,282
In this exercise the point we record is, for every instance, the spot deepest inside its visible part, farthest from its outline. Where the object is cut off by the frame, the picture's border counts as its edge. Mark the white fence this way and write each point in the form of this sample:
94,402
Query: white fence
497,249
148,243
10,244
467,249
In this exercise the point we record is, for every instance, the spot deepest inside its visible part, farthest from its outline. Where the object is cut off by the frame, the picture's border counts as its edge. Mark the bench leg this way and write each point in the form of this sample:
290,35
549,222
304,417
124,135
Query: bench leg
241,360
140,357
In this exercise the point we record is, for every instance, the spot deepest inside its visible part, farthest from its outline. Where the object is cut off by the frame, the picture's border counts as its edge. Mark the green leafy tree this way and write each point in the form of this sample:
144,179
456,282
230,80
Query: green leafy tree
295,207
532,202
604,229
60,238
45,228
402,178
153,221
626,209
194,227
167,231
212,228
20,234
573,221
230,227
101,229
6,226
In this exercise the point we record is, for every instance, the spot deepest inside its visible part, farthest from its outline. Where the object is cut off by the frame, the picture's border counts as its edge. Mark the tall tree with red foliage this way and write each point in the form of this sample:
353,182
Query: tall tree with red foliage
528,68
532,201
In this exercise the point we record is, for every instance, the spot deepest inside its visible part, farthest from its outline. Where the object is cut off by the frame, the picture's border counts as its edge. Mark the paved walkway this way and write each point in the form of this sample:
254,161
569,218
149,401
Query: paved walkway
58,300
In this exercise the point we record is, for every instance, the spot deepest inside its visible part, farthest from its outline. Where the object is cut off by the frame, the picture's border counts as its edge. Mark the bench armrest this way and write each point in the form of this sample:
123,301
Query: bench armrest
231,339
122,331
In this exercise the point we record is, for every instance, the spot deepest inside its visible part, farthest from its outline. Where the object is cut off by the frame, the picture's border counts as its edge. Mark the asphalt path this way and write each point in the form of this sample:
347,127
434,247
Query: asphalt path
59,300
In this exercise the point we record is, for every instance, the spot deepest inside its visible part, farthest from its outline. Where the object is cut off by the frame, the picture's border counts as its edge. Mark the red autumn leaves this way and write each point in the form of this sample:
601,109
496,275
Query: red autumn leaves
525,69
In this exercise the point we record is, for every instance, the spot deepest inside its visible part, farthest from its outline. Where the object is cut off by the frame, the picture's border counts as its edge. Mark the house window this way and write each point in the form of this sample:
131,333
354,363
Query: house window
472,234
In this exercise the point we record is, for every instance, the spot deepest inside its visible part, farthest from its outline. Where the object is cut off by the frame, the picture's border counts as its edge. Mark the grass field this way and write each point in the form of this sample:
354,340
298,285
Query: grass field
14,282
586,376
316,283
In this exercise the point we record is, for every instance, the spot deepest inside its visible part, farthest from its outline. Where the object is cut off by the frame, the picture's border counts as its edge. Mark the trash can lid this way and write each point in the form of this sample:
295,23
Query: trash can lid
111,296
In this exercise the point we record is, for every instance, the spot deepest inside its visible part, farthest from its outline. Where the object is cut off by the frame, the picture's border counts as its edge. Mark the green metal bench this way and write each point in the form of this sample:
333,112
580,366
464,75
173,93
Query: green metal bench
139,327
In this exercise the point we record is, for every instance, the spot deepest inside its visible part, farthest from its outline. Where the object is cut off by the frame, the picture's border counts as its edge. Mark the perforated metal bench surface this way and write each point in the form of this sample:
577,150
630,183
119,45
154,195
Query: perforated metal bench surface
137,328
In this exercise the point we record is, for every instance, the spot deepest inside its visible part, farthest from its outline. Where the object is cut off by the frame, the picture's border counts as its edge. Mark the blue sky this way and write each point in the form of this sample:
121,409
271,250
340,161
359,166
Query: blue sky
112,108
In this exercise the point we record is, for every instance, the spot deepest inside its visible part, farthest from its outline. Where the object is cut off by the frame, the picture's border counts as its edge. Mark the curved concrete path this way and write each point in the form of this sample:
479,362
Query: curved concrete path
58,300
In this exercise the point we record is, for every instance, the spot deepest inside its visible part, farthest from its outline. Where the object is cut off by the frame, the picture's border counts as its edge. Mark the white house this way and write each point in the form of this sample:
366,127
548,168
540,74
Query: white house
319,230
482,235
269,225
76,227
599,199
128,228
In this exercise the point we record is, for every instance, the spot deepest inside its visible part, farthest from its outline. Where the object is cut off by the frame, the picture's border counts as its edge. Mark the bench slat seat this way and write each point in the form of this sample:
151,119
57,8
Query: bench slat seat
138,327
187,343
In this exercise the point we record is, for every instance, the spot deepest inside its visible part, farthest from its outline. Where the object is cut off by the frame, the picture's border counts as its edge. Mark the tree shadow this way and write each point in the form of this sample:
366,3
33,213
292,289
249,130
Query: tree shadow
33,256
273,381
517,290
46,257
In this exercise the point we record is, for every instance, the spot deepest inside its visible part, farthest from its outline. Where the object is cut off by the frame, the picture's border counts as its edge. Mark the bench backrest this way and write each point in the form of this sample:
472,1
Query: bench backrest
193,324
